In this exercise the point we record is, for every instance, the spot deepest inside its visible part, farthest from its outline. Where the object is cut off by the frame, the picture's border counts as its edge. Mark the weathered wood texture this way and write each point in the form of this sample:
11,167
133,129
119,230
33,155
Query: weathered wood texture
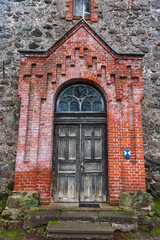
80,163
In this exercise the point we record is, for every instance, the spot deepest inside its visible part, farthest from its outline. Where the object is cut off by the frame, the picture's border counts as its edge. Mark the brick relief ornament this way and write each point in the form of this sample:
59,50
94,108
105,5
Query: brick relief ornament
80,56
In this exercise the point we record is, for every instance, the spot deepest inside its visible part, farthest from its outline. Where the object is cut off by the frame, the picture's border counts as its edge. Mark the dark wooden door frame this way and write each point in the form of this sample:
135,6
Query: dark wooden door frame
84,119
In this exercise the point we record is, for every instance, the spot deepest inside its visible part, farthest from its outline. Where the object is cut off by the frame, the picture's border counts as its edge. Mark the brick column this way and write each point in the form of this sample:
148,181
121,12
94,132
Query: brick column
125,133
28,139
140,168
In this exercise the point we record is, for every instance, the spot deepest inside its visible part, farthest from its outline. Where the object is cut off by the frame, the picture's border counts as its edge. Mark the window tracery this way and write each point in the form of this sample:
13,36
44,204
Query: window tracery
80,98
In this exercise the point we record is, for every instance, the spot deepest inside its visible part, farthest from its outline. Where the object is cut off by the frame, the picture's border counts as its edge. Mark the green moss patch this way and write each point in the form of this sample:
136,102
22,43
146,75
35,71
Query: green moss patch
157,205
53,222
29,202
1,234
15,234
155,231
42,229
131,236
2,204
143,229
31,230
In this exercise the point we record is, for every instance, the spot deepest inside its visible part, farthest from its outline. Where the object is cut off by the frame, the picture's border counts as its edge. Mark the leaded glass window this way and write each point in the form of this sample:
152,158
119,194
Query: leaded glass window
80,98
82,5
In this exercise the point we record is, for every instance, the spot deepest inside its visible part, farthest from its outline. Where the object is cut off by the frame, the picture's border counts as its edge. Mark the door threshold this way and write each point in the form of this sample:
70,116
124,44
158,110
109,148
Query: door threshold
72,206
89,205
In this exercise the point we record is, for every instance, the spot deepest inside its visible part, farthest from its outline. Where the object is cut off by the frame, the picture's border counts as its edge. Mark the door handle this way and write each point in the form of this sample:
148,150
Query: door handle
82,168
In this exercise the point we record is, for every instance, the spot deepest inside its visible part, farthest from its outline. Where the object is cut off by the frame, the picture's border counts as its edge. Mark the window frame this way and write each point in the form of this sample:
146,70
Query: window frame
96,95
74,5
69,13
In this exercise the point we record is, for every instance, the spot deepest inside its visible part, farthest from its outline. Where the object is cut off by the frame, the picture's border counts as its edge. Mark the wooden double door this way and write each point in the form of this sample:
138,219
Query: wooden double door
80,166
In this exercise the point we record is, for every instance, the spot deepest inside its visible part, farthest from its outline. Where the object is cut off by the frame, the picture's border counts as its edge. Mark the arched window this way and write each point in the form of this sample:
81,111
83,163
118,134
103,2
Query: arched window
80,98
80,6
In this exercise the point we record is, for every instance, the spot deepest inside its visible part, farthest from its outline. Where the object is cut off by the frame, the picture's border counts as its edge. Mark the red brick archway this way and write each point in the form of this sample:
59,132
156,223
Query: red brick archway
80,55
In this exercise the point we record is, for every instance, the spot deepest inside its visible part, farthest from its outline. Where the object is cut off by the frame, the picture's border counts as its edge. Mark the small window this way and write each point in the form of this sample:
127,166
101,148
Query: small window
82,8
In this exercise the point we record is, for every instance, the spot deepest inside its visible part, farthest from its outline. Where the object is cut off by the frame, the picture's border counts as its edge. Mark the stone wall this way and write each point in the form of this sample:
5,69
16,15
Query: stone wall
128,26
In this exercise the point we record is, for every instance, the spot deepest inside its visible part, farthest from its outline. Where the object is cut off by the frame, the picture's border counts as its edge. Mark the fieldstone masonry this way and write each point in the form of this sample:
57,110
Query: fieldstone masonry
128,26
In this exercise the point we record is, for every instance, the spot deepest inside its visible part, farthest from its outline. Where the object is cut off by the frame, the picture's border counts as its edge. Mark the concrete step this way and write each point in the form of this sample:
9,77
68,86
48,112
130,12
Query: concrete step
79,230
120,220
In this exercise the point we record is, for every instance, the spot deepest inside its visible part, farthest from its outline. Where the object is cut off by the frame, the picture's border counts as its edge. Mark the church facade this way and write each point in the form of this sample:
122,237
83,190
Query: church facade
80,131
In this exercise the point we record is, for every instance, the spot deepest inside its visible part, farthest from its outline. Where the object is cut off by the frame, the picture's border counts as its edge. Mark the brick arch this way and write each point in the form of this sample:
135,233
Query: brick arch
114,126
90,81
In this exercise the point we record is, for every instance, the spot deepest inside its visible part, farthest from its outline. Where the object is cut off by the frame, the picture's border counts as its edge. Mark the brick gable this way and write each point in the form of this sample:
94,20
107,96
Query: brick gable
80,55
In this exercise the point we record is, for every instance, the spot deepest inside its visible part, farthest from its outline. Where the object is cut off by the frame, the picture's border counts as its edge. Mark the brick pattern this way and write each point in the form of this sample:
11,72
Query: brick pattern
80,56
69,12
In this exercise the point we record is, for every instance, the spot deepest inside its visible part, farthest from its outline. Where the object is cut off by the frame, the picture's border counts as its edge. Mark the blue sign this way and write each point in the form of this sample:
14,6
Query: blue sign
127,153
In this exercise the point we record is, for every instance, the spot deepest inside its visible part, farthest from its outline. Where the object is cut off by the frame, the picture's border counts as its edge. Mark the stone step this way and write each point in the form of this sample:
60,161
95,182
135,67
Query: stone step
120,220
79,230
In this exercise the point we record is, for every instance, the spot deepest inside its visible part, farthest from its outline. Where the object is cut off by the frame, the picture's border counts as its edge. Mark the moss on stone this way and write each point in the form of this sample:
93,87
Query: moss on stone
157,205
21,201
53,222
34,209
25,217
31,230
2,204
152,214
143,229
156,232
125,200
13,202
131,236
28,201
1,234
15,234
42,229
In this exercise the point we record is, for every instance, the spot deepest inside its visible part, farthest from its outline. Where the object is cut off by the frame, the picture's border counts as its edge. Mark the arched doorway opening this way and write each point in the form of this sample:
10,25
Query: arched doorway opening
80,145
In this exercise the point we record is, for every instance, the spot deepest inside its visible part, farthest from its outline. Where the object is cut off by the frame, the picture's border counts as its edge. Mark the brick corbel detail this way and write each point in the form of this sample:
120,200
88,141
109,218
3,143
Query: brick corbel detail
80,57
69,12
32,89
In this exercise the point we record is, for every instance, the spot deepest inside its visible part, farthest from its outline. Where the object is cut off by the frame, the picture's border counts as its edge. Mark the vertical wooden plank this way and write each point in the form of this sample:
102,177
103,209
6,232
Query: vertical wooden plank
87,131
72,131
93,193
98,149
87,149
62,148
62,186
62,131
99,186
72,149
87,187
98,131
71,187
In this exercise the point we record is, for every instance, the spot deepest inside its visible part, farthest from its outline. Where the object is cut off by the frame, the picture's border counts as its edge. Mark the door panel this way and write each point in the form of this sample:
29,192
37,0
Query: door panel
87,148
66,162
80,163
93,162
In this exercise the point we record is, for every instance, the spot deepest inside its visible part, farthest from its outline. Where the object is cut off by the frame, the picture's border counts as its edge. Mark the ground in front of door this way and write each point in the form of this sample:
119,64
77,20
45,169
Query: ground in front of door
16,231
